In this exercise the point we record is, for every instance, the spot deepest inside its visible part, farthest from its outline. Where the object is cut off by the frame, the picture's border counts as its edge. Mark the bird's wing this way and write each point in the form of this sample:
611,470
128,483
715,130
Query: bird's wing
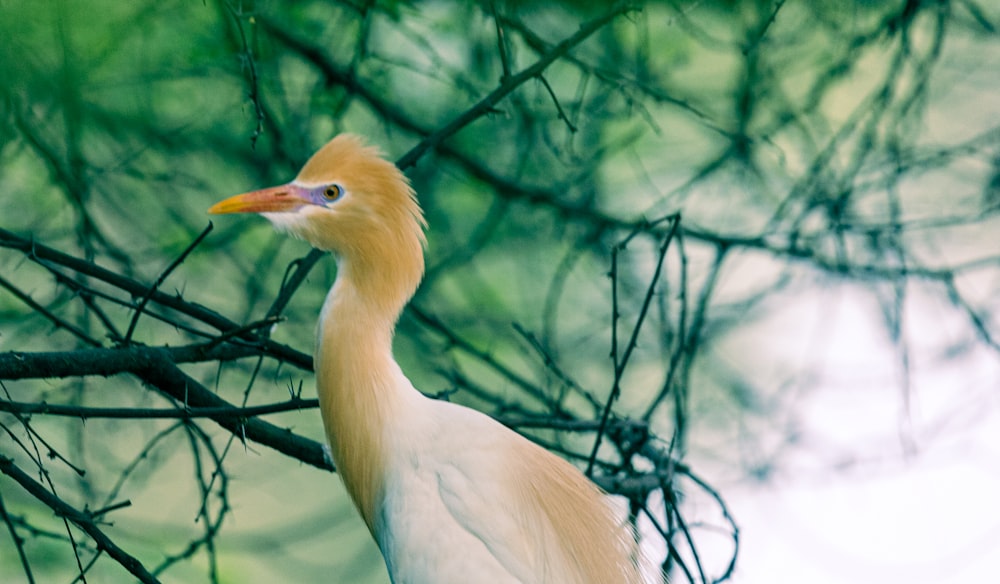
481,507
478,486
445,514
539,517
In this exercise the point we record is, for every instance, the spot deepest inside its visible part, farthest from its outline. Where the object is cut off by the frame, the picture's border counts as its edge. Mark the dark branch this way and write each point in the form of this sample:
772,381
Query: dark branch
83,520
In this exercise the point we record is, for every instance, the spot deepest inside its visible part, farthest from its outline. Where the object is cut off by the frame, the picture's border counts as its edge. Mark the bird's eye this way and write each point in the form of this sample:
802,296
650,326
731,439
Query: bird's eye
332,192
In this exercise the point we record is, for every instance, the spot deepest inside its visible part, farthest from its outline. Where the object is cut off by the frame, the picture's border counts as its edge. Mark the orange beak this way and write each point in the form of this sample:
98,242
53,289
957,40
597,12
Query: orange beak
272,200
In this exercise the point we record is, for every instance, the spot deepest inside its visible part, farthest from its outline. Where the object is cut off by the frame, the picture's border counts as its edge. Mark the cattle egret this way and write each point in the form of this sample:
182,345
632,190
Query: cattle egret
449,494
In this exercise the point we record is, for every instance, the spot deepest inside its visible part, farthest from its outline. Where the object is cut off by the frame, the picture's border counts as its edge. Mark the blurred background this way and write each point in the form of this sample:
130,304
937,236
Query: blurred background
785,213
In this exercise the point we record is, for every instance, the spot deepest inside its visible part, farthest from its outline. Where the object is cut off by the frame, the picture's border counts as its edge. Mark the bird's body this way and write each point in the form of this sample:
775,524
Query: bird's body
449,494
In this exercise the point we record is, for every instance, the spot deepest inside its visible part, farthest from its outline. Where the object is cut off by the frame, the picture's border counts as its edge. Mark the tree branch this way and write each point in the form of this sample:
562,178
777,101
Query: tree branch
81,519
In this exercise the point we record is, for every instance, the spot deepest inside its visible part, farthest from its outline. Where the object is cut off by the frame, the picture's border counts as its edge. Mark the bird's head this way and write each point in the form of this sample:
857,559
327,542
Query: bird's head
345,196
349,200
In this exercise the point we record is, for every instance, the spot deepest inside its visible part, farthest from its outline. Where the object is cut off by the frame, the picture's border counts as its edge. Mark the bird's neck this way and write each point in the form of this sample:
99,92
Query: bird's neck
361,389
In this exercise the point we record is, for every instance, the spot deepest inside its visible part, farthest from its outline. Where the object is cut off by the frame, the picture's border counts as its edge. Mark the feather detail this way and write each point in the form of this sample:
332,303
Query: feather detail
585,542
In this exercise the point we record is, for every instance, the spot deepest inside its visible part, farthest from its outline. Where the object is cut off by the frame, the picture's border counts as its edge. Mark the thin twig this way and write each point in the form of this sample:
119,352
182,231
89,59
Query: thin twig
501,42
555,100
621,364
488,103
293,280
44,256
551,365
156,367
59,322
18,542
81,519
163,276
251,67
459,342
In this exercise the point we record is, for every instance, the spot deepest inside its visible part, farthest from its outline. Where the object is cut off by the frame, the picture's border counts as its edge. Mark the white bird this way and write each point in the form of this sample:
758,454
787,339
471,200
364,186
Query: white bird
449,494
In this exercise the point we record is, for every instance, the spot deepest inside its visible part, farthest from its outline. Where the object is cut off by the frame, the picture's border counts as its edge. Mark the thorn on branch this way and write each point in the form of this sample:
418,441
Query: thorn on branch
113,507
